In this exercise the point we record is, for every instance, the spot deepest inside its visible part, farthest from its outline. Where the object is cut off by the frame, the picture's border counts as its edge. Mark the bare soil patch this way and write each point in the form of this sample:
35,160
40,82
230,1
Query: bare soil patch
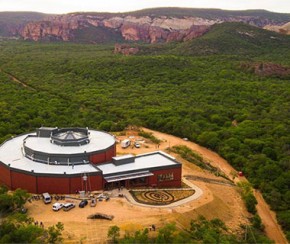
217,200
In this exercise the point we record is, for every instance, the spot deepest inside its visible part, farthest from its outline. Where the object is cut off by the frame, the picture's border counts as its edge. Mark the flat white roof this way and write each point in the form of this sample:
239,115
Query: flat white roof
128,176
142,162
11,152
98,141
126,156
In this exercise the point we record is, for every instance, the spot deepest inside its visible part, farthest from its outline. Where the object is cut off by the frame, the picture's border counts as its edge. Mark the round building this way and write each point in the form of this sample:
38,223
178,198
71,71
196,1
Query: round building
68,160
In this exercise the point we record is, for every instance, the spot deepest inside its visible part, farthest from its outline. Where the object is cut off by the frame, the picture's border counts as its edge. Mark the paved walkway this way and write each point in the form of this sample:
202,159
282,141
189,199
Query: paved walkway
128,196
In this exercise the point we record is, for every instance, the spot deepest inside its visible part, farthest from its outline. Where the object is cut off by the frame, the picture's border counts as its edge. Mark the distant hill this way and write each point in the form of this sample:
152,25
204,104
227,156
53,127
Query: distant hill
12,22
211,13
234,38
149,25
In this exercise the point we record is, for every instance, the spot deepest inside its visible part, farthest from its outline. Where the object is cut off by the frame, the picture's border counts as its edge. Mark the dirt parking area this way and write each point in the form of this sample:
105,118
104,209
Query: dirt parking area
217,200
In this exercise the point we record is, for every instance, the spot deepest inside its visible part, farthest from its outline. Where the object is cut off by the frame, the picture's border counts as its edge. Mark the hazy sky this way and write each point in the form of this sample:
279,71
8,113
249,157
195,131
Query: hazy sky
66,6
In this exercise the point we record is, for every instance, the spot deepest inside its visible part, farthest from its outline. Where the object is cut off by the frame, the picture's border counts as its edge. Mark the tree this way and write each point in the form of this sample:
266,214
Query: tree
257,223
251,202
165,234
209,139
18,228
141,236
20,197
55,232
114,233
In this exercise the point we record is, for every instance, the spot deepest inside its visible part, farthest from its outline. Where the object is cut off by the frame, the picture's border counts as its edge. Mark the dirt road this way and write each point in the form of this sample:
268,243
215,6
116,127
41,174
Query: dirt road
269,220
272,229
13,78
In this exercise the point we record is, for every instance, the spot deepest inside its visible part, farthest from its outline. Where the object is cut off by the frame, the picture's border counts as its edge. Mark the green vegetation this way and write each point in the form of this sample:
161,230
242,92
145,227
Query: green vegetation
235,38
149,136
114,233
248,197
10,202
189,155
17,227
97,35
201,231
208,99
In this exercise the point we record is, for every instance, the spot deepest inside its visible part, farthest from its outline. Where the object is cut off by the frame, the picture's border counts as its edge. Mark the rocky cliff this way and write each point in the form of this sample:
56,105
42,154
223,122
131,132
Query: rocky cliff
145,29
283,29
150,28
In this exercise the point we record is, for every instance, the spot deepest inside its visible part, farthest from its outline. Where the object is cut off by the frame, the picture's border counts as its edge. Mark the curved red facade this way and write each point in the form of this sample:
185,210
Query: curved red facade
81,160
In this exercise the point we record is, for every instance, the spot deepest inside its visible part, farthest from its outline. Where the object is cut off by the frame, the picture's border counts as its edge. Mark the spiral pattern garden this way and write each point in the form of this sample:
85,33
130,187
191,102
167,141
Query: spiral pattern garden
159,196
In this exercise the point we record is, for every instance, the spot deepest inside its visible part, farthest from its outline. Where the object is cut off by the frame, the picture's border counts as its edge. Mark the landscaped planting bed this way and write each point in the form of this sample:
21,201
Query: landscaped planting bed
160,197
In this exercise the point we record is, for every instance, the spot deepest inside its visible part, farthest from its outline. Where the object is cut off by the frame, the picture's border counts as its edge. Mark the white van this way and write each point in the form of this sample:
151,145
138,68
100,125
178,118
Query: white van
46,197
125,143
57,206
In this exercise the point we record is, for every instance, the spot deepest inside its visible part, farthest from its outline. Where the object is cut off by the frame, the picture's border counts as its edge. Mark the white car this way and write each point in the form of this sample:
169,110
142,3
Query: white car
57,206
137,145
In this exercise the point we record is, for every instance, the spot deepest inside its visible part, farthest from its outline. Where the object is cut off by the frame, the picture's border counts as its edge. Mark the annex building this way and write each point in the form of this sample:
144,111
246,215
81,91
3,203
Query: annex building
67,160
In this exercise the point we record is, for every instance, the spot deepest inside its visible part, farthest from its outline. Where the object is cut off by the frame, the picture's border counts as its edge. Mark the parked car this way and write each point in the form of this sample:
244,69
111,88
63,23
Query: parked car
93,202
137,144
125,143
68,206
57,206
83,203
102,197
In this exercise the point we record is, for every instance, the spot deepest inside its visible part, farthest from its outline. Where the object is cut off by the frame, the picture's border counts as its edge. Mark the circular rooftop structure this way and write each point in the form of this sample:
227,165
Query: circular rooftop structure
67,146
70,137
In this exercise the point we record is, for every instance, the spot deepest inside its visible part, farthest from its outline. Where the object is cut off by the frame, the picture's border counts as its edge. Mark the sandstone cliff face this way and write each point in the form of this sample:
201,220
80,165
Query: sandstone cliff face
284,29
131,28
146,29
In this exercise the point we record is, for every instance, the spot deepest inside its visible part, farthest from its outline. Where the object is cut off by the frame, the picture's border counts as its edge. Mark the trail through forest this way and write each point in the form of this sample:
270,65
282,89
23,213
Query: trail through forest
272,228
13,78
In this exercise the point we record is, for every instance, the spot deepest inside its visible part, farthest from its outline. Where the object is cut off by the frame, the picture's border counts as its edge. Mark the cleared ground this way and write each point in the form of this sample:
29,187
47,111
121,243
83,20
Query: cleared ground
217,200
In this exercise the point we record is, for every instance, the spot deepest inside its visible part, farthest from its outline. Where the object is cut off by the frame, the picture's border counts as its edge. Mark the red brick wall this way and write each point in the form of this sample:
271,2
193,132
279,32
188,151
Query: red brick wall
24,181
111,153
75,184
5,175
41,184
96,182
98,158
103,157
176,182
53,185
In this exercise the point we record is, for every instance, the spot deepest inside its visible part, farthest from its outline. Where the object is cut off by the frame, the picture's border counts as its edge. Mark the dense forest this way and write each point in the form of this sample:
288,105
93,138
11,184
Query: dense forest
209,99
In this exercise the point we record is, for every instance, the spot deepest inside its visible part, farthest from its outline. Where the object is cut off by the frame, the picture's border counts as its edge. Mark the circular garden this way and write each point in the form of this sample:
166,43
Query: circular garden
159,196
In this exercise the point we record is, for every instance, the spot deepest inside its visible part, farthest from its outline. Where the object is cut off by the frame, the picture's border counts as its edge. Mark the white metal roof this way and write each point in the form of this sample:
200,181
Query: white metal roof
142,162
11,152
98,141
126,156
128,176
